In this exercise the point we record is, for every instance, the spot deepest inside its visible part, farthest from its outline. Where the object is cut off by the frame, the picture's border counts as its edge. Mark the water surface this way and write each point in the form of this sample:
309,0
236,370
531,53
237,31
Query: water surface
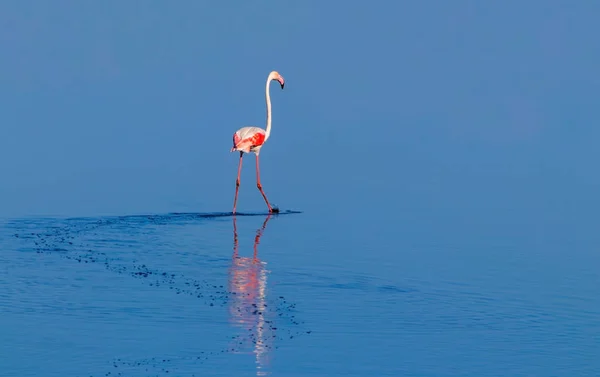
210,294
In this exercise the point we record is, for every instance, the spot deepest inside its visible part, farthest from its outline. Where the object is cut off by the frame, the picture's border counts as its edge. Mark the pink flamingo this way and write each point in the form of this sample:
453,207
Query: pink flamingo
251,139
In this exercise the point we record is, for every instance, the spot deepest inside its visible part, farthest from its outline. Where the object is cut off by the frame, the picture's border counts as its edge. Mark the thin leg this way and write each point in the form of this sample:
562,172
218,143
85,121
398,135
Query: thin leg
237,181
260,186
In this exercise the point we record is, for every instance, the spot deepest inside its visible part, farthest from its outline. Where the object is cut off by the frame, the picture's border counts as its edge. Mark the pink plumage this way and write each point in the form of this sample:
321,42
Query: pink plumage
247,139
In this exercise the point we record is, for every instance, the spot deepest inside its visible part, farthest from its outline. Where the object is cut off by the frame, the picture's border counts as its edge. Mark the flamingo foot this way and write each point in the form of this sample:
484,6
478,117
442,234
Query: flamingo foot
274,210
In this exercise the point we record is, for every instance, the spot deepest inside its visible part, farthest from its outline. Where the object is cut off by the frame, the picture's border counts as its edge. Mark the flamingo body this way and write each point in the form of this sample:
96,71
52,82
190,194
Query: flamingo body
248,139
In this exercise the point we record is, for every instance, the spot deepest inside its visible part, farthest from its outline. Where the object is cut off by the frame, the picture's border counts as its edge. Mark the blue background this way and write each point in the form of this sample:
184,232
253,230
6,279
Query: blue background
124,107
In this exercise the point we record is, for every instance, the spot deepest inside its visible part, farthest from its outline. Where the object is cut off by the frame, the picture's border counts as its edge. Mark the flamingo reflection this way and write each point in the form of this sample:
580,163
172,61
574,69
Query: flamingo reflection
248,309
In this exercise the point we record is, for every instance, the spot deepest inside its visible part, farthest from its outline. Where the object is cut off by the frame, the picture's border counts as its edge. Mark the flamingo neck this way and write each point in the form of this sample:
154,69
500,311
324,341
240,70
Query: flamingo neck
268,99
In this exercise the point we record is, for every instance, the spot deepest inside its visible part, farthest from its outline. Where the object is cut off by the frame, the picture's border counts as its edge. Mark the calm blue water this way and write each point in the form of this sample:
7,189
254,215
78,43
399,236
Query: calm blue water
196,294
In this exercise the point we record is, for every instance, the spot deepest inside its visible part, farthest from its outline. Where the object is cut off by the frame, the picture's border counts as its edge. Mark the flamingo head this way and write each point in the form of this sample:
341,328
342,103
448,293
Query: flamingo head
276,76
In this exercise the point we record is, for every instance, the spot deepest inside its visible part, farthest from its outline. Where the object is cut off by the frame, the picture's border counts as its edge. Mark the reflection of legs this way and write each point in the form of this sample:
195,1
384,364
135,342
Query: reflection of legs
237,181
260,186
259,233
235,239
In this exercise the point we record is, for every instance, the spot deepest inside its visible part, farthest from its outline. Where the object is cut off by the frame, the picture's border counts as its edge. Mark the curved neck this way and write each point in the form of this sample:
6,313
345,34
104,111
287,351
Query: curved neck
268,99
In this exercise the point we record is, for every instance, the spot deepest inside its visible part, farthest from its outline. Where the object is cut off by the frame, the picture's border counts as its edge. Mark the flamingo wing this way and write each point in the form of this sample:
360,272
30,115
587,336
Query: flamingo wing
247,138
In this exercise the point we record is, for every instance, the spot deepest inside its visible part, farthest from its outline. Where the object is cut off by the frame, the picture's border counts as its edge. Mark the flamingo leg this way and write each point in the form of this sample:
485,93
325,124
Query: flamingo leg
237,182
260,186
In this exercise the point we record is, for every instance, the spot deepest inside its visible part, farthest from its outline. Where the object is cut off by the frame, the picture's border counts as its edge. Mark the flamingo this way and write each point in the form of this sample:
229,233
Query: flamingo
251,140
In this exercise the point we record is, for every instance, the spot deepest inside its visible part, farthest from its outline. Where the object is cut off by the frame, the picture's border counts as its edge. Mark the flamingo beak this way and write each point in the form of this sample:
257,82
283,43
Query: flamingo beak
282,82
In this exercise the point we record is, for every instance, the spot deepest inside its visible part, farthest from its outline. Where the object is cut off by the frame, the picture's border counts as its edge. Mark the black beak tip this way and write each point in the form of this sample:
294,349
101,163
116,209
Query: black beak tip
282,85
